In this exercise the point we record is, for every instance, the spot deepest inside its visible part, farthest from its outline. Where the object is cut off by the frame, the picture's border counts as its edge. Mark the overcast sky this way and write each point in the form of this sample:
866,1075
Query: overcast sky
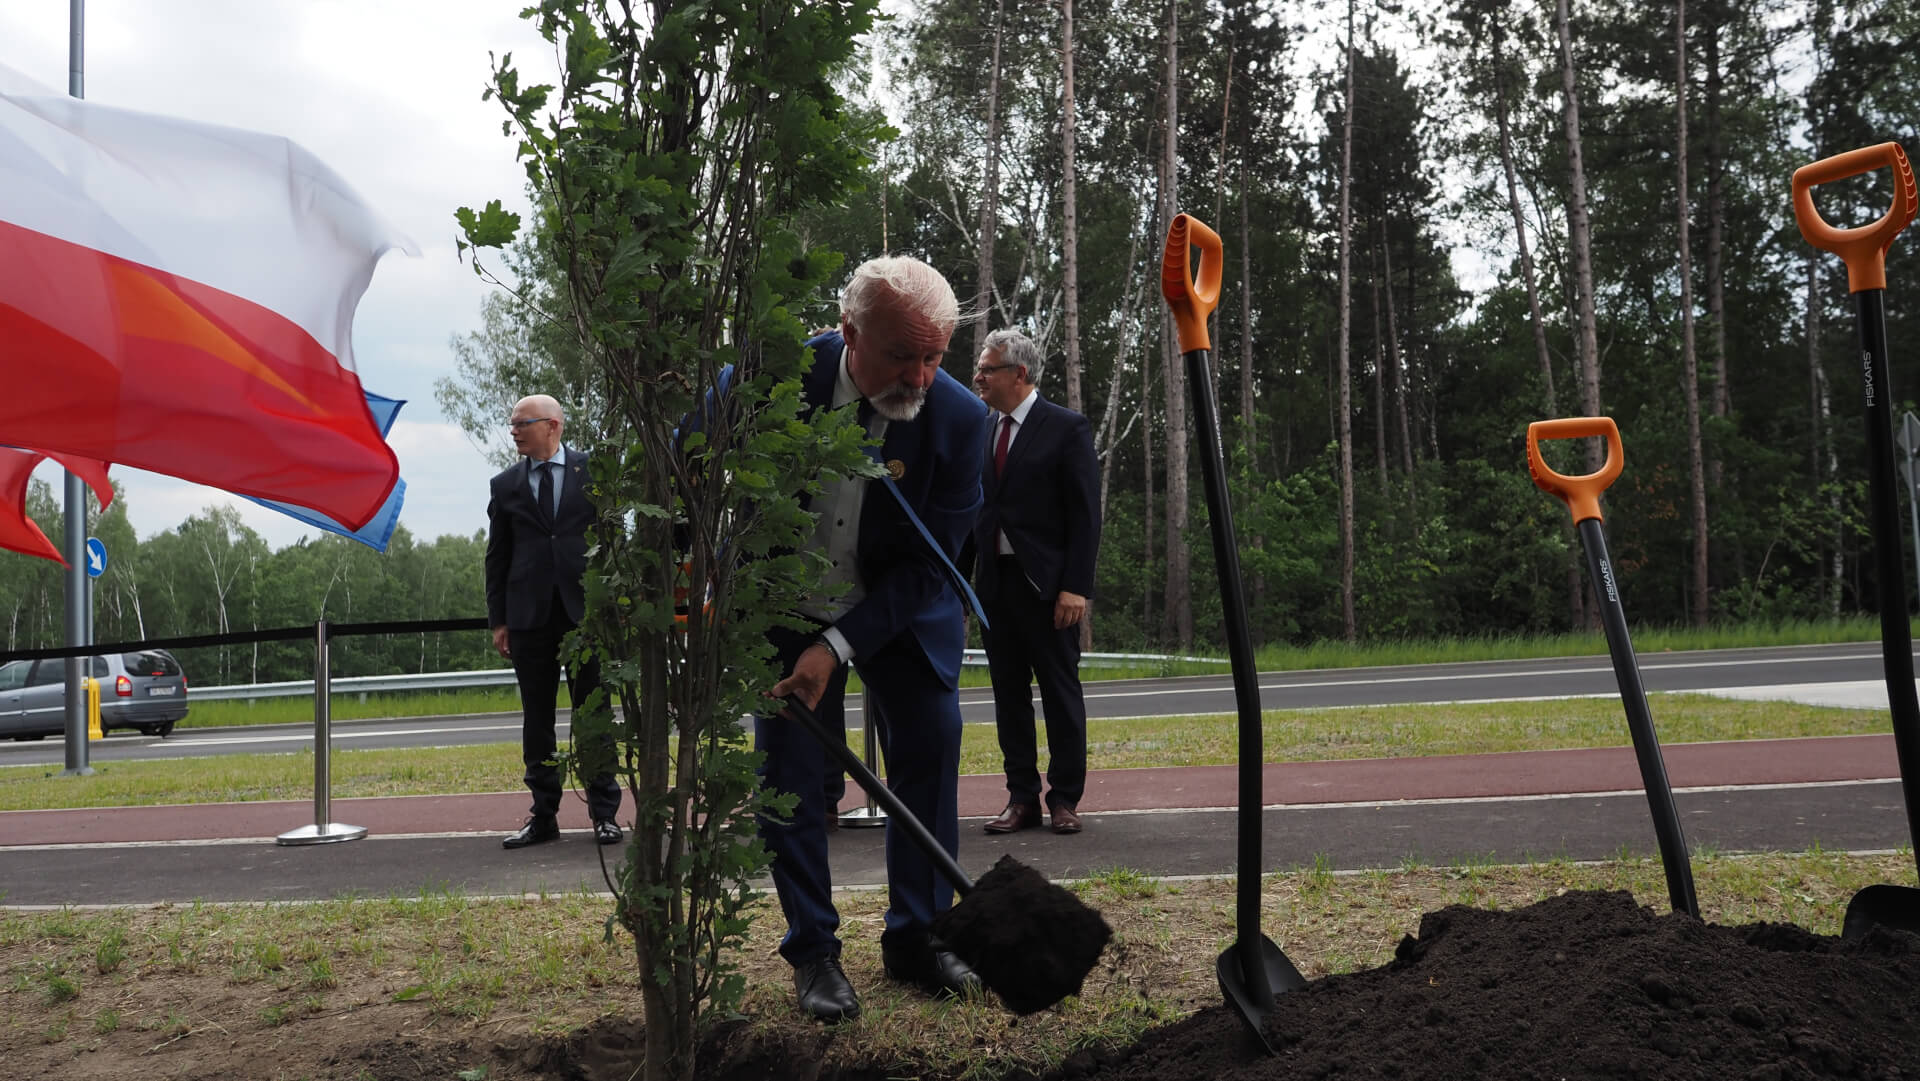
388,94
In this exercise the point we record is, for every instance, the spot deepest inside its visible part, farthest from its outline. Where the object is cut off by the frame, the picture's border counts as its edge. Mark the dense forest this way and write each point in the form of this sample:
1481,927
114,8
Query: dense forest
1442,222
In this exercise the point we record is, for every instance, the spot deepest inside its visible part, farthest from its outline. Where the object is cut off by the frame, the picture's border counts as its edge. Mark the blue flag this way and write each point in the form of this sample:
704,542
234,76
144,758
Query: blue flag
379,530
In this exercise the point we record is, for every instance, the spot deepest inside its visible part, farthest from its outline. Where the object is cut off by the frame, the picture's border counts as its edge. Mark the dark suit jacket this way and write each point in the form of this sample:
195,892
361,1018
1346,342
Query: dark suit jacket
1048,502
529,554
940,454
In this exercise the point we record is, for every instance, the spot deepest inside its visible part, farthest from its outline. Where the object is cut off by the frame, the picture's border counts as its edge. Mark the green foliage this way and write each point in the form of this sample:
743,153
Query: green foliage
668,164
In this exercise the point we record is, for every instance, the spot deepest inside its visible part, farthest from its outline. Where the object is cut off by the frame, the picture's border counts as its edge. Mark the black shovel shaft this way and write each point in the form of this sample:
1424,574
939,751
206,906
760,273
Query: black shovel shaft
1646,744
1246,678
1896,637
898,815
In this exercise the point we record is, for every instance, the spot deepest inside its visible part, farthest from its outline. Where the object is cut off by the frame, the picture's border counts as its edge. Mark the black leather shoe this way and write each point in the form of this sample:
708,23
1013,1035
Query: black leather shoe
934,971
537,831
605,832
1017,816
824,991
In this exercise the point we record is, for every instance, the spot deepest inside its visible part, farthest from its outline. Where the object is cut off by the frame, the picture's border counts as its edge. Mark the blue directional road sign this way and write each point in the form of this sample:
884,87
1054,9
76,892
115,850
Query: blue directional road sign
96,557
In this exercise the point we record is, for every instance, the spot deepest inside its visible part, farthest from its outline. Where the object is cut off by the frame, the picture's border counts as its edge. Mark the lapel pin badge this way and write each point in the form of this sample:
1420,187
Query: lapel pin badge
896,468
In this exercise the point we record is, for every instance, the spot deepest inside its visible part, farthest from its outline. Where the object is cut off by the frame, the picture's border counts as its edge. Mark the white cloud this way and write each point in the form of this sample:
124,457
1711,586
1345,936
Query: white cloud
388,94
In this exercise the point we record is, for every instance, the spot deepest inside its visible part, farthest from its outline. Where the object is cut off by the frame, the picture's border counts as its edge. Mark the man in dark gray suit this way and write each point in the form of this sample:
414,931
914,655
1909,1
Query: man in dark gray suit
1036,542
537,521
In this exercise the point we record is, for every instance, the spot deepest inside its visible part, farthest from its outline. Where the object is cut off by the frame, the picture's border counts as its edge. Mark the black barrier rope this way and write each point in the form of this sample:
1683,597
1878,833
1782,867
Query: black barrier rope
279,634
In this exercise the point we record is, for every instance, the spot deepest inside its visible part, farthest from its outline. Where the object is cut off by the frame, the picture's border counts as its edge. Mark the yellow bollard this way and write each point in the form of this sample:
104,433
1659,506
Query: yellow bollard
93,710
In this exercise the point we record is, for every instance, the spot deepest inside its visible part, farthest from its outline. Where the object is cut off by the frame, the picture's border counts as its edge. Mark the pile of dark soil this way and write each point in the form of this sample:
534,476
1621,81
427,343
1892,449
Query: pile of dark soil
1586,985
1582,986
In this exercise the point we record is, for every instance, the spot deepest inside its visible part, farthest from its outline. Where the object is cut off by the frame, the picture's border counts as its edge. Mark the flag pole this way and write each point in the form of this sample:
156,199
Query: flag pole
79,602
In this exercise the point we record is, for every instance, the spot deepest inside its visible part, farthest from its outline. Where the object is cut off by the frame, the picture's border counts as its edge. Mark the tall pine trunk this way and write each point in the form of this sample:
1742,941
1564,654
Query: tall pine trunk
990,190
1177,617
1579,235
1689,364
1344,383
1716,233
1069,214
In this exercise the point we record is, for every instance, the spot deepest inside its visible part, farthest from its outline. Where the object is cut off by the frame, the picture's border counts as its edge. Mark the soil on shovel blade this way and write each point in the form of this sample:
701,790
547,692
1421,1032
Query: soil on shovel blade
1583,986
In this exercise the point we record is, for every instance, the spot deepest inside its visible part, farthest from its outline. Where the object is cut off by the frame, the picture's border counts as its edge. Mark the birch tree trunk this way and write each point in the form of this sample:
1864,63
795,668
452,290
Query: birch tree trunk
990,195
1344,387
1689,364
1396,371
1514,207
1177,618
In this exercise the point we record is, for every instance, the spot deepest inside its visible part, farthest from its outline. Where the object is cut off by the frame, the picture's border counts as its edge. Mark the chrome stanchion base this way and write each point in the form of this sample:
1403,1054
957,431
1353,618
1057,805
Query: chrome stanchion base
863,817
320,835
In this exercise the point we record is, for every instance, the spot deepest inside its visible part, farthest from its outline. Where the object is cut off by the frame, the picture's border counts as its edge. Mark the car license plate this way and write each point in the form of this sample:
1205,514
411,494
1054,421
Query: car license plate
159,692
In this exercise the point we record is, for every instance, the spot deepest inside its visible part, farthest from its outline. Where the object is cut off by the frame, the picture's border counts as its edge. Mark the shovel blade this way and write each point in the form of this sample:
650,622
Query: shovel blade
1895,907
1246,1001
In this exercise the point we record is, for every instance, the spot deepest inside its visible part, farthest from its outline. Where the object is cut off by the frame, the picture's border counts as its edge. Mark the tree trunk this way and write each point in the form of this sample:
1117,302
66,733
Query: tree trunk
990,194
1070,220
1689,364
1379,374
1716,232
1396,372
1538,322
1580,236
1246,322
1344,387
1177,619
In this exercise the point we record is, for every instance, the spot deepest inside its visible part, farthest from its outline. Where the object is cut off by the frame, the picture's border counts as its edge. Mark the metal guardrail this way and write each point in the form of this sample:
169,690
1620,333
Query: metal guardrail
503,677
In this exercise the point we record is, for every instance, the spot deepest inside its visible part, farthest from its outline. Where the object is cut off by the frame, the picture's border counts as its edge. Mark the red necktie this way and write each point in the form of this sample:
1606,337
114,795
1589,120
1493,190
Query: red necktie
1000,448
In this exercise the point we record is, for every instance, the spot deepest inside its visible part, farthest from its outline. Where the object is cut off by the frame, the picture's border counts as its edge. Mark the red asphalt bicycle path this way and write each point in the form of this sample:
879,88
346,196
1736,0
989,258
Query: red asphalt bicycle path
1360,781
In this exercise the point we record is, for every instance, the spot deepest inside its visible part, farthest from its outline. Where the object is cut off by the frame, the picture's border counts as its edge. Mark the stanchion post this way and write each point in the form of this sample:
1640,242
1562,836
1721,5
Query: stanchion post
871,814
324,830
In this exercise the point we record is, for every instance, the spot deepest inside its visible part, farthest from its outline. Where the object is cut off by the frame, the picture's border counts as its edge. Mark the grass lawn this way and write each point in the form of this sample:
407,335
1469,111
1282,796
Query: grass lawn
298,990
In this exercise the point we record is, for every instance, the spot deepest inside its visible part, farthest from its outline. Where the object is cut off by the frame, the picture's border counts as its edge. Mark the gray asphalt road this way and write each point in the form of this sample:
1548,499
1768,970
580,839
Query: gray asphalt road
1751,670
1838,817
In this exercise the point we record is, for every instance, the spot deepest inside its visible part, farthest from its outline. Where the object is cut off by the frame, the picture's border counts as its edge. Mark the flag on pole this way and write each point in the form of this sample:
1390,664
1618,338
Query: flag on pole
179,297
18,531
377,532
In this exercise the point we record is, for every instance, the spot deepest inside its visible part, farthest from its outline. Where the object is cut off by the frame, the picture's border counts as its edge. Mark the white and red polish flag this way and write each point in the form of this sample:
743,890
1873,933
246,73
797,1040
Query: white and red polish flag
179,297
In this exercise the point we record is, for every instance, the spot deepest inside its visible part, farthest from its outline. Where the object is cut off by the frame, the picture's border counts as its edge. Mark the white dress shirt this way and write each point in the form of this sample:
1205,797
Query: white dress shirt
1019,415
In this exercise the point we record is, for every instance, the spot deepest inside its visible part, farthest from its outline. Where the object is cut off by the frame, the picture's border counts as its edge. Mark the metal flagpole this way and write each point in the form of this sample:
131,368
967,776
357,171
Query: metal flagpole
79,599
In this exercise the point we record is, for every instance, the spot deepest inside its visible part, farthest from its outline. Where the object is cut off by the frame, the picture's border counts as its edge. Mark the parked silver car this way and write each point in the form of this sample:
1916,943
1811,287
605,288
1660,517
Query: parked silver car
143,690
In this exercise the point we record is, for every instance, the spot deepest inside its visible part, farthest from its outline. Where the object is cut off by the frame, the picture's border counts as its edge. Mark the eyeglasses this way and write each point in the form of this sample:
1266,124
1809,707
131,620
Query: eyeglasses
993,367
527,420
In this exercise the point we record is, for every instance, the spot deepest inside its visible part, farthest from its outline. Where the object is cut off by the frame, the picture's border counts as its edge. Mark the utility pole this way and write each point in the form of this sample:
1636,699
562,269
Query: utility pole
79,595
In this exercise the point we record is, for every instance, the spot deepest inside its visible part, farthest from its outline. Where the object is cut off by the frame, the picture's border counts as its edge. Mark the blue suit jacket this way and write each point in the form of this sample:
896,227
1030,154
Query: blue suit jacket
941,455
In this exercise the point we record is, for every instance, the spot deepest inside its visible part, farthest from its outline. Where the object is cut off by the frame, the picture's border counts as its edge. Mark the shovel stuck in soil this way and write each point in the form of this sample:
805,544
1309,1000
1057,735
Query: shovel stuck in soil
1031,942
1865,251
1582,497
1253,969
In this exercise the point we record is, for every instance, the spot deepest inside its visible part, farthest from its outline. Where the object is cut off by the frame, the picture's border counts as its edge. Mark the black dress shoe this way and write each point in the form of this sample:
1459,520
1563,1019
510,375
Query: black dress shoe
605,832
537,831
1017,816
934,971
824,991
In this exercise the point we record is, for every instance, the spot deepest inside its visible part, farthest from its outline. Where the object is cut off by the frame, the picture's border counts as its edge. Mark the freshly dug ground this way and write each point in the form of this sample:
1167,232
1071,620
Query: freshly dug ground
1584,985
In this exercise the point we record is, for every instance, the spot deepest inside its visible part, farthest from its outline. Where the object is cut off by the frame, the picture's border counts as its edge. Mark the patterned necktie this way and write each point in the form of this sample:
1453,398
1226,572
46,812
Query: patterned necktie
1000,449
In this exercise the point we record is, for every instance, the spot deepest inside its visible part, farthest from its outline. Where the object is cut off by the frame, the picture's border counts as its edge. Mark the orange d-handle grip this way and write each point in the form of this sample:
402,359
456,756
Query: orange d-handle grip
1865,247
1581,494
1192,299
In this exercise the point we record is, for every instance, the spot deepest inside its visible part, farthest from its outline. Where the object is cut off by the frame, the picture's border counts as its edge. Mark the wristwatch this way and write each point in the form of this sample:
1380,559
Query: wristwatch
823,640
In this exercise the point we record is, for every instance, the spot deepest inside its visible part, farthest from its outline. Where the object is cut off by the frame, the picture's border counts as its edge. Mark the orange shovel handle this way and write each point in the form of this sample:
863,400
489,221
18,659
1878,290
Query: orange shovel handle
1580,494
1864,247
1191,299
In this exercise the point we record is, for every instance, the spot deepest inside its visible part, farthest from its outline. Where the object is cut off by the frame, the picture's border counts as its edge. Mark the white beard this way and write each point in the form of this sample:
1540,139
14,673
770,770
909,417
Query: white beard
899,402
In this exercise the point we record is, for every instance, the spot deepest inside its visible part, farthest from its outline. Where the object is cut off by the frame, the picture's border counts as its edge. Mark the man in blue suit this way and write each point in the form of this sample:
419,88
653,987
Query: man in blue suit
898,621
1036,542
